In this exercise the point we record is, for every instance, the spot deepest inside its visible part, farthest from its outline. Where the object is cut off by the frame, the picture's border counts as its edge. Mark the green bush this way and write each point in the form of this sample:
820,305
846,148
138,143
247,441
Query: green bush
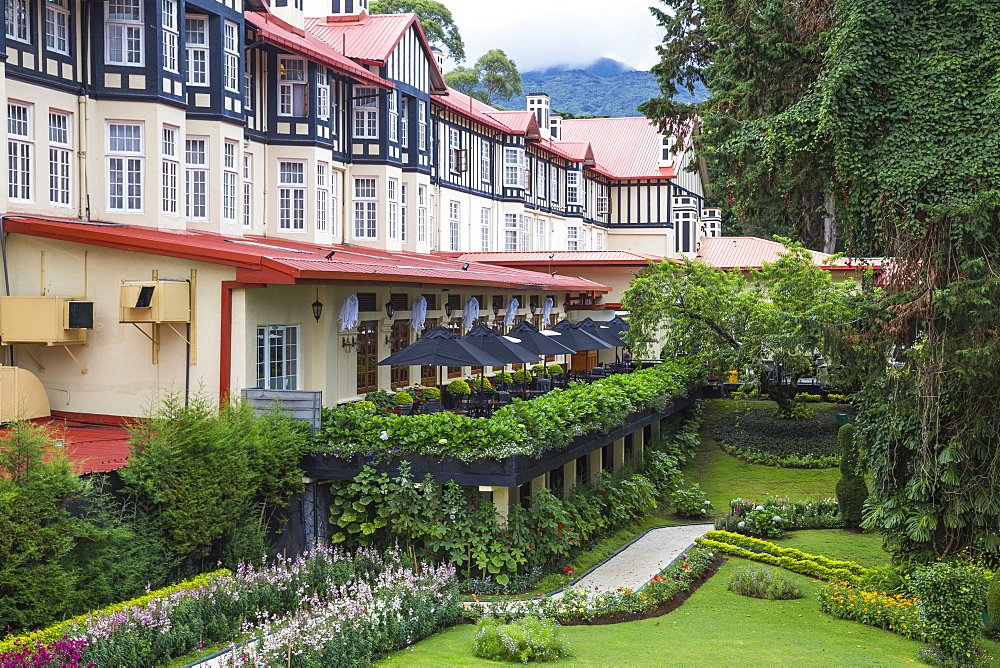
554,369
836,398
993,606
812,514
382,399
403,399
538,370
522,376
691,502
756,435
851,488
951,600
481,385
504,377
365,405
892,612
432,394
766,583
521,641
458,386
808,398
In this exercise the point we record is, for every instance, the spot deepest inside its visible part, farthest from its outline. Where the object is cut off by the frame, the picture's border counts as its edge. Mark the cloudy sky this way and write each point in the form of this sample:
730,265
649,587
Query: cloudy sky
538,33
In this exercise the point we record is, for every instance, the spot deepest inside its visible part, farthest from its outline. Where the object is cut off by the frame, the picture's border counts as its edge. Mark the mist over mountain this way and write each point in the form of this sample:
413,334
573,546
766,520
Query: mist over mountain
606,87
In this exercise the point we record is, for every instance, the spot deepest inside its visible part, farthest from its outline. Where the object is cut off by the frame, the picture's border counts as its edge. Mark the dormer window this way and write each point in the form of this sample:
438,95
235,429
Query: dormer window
292,87
665,149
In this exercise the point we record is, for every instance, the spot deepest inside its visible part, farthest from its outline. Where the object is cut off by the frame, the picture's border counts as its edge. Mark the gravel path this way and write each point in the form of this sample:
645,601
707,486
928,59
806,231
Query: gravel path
639,562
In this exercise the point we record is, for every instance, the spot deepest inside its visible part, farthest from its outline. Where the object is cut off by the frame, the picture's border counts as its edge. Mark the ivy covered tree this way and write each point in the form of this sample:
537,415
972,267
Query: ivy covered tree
435,19
775,322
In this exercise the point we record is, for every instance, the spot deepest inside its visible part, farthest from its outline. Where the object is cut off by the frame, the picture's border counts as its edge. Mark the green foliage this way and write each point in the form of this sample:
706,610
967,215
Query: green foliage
522,375
852,491
504,377
364,404
403,399
951,599
754,434
432,394
993,605
893,612
788,558
493,78
435,19
458,386
745,518
808,398
208,470
691,502
481,385
539,370
766,583
36,532
382,399
554,369
521,641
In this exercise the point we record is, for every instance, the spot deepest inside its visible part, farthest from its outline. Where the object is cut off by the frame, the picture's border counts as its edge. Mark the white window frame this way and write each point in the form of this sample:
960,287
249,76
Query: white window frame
123,25
513,167
392,101
422,124
197,44
540,180
403,211
485,161
540,235
60,157
322,196
510,232
196,163
486,228
553,184
524,233
125,160
231,51
599,241
20,151
404,121
230,176
170,168
293,87
365,190
454,146
247,190
572,237
431,218
291,195
422,214
454,225
323,95
392,192
282,356
169,35
364,115
57,26
16,23
574,179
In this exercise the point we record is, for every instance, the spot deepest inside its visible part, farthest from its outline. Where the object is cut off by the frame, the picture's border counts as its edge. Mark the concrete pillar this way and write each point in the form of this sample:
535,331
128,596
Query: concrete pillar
539,483
501,501
618,453
569,478
655,429
638,449
594,463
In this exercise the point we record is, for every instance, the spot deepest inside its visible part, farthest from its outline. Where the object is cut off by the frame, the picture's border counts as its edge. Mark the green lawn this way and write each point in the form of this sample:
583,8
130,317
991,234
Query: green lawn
865,549
724,477
713,628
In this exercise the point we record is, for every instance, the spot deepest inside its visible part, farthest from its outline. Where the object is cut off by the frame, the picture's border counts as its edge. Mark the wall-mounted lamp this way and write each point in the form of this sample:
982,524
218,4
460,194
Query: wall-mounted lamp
348,342
388,339
390,310
448,308
317,307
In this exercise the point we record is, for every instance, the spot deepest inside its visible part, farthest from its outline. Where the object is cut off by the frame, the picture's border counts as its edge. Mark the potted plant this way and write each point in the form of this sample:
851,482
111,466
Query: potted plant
482,385
457,390
539,370
554,369
432,398
404,402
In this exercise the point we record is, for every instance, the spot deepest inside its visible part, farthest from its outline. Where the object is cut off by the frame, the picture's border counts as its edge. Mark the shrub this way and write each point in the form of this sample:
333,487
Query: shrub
538,370
836,398
458,386
993,606
808,398
382,399
761,523
432,394
897,613
524,640
691,502
811,514
851,488
554,369
504,377
757,436
364,404
482,385
951,600
767,583
403,398
522,376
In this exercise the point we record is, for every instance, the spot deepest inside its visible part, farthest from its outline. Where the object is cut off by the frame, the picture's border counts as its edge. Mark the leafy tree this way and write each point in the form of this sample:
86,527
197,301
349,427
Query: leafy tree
851,488
493,78
776,322
757,59
434,18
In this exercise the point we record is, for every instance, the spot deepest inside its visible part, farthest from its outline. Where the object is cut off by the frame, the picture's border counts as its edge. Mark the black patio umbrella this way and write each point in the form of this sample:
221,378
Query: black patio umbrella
506,349
441,347
538,343
618,324
578,338
599,331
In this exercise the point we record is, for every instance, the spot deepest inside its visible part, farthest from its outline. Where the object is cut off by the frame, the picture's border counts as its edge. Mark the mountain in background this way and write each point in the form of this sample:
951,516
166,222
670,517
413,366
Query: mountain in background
606,87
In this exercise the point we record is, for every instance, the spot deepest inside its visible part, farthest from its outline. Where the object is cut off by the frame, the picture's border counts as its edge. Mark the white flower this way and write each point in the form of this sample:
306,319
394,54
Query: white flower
384,435
759,508
703,511
777,518
708,503
740,525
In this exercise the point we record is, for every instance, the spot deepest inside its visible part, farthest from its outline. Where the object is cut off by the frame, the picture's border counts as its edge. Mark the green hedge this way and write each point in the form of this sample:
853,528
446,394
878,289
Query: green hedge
549,422
785,557
755,435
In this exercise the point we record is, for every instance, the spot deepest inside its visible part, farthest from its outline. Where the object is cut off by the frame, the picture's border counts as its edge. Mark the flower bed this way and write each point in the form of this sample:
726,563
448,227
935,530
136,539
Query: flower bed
758,519
549,422
753,434
785,557
897,613
217,607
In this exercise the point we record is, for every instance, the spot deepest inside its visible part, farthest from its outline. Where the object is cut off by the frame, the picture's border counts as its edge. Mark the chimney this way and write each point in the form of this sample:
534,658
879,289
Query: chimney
348,7
538,104
665,159
555,126
438,56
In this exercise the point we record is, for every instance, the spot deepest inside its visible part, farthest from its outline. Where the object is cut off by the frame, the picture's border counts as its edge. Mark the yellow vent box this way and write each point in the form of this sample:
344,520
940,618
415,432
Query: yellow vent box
48,320
155,301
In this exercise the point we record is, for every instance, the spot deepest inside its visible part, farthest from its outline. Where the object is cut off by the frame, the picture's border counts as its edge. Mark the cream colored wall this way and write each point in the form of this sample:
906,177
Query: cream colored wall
658,241
121,378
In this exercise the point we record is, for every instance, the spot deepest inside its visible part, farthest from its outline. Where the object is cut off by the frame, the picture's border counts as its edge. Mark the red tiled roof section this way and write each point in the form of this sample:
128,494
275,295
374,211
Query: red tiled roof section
277,32
624,148
90,448
371,38
753,252
539,258
277,261
511,122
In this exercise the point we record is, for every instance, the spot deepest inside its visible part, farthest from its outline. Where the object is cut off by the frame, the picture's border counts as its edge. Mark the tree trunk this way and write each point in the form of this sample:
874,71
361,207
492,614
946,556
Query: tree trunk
829,224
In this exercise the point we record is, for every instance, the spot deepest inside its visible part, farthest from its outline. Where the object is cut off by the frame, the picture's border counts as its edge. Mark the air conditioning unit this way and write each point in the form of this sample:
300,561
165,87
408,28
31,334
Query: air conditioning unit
155,301
48,320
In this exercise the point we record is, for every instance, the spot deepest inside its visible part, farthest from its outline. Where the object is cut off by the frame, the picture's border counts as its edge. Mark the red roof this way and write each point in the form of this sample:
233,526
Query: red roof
510,122
90,448
574,151
281,261
544,258
752,253
624,148
371,39
520,122
275,31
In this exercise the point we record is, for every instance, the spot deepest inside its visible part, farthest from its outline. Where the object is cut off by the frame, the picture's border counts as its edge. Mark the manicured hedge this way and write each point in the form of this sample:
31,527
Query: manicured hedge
755,435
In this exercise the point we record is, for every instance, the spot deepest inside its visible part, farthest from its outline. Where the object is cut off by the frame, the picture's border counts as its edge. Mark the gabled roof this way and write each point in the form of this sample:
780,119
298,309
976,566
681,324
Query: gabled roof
279,33
371,38
509,122
574,151
752,253
624,148
559,258
520,122
280,261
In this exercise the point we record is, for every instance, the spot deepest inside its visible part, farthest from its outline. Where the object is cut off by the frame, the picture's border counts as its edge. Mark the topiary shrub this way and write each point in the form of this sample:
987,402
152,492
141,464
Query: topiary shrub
504,377
538,370
851,488
482,385
950,599
432,394
522,375
521,641
458,386
554,369
364,404
993,607
403,398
